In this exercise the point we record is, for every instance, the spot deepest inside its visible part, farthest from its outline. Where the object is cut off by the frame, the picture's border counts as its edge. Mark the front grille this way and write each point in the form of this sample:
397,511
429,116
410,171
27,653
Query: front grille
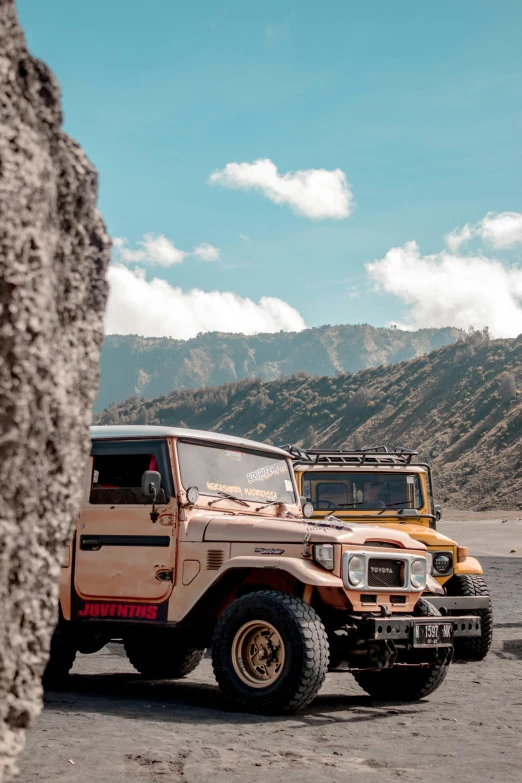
385,572
398,599
215,559
368,599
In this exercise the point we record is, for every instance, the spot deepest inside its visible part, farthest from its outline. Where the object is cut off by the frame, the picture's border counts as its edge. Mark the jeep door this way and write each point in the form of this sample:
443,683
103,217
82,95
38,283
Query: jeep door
121,553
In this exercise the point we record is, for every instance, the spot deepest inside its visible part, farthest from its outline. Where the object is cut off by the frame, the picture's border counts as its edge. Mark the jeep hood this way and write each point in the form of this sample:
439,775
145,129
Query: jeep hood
422,533
277,530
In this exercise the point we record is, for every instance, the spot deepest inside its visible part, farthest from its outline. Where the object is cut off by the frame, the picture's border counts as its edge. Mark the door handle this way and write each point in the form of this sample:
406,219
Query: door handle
89,544
165,575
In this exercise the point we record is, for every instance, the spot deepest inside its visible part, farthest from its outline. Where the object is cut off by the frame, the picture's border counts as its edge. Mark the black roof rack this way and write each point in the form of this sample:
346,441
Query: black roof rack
376,455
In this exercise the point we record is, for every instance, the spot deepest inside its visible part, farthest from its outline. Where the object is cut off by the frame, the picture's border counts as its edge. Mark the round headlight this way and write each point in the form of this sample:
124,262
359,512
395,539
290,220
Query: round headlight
418,574
356,570
442,562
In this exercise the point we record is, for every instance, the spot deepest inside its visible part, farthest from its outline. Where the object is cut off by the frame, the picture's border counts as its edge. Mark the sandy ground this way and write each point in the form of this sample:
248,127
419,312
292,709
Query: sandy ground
484,532
118,728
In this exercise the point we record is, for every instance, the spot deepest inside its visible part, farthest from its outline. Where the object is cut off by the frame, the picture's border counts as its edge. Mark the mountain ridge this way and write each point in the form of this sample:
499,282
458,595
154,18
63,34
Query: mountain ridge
459,406
152,366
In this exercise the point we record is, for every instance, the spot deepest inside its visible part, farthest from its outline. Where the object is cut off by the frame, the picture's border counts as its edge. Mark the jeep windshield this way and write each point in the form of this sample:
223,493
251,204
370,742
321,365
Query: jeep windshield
359,491
224,470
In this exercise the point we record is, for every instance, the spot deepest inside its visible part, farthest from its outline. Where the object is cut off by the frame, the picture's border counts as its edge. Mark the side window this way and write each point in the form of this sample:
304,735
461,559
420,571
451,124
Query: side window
116,475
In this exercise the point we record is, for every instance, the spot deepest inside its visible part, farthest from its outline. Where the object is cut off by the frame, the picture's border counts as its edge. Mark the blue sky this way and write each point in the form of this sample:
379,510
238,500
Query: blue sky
419,104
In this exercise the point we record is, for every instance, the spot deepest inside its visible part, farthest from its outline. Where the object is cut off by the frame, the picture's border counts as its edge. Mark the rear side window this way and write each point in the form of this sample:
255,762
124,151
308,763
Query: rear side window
118,469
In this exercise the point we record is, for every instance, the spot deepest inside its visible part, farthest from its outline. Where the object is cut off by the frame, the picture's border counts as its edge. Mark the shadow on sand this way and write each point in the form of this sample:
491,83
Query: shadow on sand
132,697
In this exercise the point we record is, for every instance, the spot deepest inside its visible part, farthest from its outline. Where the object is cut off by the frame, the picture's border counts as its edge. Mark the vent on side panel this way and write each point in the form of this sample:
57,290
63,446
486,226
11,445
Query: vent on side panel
215,559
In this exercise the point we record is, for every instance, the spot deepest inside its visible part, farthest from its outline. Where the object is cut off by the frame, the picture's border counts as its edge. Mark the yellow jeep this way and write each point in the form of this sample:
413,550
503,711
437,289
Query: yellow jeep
376,486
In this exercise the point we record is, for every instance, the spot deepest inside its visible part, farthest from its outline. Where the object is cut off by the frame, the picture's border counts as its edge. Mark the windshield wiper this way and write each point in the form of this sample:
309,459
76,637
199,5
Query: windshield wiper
225,496
398,503
272,503
350,505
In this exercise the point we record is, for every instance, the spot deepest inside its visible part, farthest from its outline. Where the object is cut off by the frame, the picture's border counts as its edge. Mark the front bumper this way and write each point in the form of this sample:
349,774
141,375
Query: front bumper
459,603
401,629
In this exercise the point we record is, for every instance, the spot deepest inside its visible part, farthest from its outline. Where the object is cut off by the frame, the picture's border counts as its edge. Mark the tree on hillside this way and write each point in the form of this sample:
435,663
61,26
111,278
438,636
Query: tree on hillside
508,387
309,437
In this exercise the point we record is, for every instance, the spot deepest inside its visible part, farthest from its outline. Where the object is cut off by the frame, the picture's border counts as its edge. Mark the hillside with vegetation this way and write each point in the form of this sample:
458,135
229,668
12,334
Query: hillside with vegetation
151,366
460,406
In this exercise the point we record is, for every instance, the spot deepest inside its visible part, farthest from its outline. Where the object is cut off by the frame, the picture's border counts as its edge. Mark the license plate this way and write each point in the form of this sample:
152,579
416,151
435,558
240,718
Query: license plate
432,634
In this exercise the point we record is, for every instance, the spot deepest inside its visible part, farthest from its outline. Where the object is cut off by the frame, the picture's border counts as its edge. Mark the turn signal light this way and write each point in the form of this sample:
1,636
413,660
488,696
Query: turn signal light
462,553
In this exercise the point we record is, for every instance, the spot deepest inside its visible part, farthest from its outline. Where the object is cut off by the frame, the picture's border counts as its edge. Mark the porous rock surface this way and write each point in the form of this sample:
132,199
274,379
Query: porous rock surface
53,256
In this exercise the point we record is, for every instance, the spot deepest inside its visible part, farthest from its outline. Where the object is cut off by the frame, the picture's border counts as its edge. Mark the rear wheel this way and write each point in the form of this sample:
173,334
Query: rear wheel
162,656
409,684
475,648
270,652
62,654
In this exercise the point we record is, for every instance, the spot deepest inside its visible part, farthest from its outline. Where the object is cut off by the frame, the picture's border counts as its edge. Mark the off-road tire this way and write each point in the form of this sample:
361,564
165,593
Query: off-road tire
409,684
62,654
162,656
306,652
476,648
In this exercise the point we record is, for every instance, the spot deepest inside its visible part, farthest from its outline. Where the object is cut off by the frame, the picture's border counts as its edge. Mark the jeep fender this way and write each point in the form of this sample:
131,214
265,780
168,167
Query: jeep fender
305,571
468,566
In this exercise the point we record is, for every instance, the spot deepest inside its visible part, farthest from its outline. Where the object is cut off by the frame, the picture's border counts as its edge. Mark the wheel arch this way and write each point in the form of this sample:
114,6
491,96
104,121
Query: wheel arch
234,583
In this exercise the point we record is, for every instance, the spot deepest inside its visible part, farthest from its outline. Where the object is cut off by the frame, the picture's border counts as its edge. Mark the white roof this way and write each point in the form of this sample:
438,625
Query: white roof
111,432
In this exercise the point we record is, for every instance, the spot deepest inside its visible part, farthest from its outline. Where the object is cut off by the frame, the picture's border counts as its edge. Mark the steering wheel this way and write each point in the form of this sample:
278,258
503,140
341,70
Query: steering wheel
328,504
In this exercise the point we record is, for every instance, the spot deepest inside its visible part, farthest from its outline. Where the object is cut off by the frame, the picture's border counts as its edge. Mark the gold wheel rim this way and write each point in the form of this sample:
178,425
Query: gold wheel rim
258,654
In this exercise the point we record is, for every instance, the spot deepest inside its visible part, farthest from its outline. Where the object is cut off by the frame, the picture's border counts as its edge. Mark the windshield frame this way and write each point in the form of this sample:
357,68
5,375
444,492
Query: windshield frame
363,508
248,450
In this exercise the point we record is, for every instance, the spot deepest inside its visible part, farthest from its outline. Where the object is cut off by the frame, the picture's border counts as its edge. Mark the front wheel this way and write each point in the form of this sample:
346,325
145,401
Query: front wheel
270,652
476,648
411,683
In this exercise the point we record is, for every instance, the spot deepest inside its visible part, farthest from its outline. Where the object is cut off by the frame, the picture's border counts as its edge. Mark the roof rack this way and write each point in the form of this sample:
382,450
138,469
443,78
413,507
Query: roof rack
375,455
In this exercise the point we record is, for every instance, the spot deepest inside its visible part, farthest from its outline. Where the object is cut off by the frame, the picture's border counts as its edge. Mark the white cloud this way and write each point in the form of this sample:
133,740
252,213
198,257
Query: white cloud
450,290
157,250
500,230
458,237
154,249
157,309
206,252
314,193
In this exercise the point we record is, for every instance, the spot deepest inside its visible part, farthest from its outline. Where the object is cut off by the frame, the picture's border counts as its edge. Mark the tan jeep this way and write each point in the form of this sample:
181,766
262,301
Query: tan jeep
188,540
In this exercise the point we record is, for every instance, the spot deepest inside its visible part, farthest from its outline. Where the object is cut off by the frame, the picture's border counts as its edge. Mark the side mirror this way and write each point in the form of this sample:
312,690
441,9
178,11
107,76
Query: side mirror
307,507
151,484
438,512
